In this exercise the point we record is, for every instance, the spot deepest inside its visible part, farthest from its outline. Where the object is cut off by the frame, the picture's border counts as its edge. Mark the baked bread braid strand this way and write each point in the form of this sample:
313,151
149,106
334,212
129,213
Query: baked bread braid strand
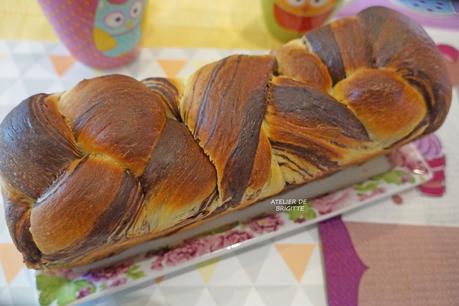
115,162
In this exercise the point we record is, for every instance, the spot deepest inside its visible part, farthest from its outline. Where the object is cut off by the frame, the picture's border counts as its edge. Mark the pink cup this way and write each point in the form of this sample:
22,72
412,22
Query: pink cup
100,33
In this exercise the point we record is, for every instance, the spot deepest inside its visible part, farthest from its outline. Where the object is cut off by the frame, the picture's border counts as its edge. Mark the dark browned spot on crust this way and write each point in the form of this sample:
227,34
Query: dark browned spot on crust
36,145
323,43
314,108
17,214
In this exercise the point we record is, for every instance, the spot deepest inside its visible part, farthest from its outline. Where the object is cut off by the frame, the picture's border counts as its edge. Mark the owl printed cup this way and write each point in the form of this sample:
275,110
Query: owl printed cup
102,34
289,19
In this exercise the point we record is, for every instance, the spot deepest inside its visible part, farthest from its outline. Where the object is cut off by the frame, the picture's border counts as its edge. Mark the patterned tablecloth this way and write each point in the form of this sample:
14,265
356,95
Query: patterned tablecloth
283,272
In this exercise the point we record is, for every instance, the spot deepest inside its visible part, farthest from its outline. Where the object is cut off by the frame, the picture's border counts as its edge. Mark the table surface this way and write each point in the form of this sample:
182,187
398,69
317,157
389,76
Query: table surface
268,275
31,61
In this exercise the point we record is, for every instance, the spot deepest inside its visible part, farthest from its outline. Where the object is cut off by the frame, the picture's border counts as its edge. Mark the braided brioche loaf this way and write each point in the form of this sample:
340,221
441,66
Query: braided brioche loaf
114,162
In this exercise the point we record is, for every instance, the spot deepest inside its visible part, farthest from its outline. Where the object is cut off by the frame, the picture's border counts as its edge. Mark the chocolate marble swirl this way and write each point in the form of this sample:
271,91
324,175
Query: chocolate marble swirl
114,162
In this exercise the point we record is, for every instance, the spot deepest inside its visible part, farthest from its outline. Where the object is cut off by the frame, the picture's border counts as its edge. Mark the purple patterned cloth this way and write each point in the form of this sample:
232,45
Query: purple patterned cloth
343,267
440,14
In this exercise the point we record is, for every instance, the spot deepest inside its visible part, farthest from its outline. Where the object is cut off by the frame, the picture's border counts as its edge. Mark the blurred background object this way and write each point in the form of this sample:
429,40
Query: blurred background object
100,33
432,13
288,19
235,24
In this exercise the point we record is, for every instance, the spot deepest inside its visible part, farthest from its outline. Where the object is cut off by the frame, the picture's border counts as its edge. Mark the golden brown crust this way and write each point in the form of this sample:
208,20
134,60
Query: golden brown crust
115,162
403,45
178,180
36,145
353,44
295,62
126,128
261,170
89,193
373,94
169,92
224,110
322,42
314,110
17,213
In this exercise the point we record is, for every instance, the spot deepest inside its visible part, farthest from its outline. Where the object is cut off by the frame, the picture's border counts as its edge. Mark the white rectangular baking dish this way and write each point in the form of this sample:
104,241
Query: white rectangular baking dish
346,190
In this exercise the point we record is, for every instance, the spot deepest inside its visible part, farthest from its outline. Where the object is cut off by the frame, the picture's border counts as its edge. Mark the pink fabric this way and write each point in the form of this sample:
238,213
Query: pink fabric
438,162
431,148
118,1
343,266
449,51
